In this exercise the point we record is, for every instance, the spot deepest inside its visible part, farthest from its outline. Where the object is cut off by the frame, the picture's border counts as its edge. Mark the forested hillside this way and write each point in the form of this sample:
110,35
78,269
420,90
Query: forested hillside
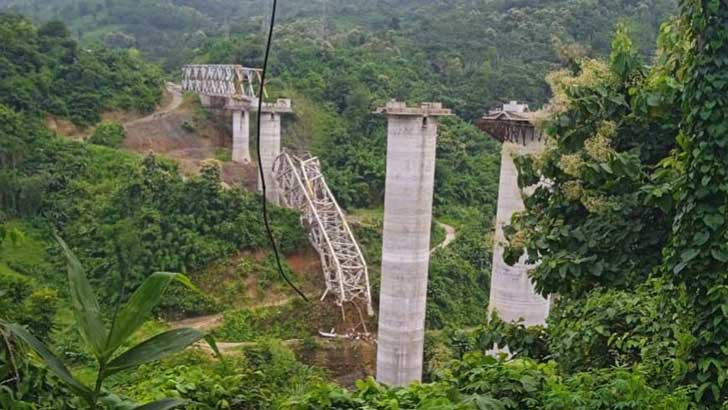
468,53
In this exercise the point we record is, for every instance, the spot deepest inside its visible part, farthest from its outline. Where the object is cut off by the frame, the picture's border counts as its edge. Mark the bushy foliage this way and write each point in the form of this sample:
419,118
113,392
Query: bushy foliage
634,192
294,320
19,195
468,167
255,378
23,301
108,134
494,337
481,382
648,327
611,126
524,384
459,278
495,51
132,217
45,71
697,254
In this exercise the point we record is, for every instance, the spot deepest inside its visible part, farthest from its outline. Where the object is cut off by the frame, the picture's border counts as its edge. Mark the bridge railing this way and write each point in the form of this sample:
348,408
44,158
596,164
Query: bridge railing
222,80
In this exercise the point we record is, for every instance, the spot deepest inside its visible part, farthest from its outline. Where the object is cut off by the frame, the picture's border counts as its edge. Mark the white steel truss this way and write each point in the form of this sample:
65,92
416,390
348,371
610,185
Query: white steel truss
304,187
221,80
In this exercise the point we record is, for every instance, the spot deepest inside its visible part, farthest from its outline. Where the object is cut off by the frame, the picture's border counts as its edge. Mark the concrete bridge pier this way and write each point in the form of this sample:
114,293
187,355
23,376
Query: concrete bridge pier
241,136
270,144
511,292
411,147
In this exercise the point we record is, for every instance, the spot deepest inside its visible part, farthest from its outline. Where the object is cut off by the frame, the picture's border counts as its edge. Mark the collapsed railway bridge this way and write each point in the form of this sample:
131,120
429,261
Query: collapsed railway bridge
298,182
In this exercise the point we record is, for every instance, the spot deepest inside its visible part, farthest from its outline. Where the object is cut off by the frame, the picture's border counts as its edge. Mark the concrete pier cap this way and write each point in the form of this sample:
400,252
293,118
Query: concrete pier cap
426,109
281,106
270,143
409,188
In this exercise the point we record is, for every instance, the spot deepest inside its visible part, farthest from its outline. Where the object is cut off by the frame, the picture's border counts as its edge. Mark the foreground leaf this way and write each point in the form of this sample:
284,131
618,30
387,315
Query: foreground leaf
85,305
213,345
54,364
157,347
162,404
139,306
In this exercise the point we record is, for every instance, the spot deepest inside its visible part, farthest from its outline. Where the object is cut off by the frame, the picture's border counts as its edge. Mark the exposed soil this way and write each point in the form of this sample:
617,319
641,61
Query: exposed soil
177,131
346,360
171,100
203,323
67,128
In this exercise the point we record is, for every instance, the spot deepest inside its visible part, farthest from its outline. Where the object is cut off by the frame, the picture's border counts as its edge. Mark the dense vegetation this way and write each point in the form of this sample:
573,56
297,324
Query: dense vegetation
126,216
496,50
45,71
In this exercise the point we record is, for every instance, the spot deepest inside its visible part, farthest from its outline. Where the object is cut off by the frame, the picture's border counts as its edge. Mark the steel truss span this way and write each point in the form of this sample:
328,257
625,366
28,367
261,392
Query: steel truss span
221,80
303,187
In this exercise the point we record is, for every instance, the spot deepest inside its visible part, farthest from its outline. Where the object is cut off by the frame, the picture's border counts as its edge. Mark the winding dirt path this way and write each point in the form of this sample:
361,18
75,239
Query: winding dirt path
450,236
176,91
212,322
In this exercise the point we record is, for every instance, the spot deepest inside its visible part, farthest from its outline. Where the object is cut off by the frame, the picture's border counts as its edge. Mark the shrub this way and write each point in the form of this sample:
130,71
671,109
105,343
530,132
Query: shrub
255,379
108,134
524,384
648,326
181,302
40,310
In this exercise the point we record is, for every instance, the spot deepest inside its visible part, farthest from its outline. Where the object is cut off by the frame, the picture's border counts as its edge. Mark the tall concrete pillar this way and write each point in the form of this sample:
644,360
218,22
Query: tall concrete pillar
241,136
511,292
411,147
270,144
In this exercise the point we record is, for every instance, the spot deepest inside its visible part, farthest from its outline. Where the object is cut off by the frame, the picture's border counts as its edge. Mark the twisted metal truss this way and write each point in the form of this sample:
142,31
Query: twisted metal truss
222,80
303,187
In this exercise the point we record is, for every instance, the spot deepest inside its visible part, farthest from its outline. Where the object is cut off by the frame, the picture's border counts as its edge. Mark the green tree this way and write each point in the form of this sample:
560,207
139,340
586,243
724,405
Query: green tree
108,134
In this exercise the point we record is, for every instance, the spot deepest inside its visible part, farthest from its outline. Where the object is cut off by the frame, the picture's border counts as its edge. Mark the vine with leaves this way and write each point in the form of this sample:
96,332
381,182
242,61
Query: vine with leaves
697,254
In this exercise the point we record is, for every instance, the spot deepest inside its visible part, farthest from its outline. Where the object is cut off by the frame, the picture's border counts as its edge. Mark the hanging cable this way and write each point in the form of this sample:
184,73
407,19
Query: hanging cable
271,238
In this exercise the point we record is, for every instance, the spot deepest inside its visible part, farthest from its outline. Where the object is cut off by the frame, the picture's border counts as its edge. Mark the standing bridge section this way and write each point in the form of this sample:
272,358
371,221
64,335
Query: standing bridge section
302,186
233,88
222,80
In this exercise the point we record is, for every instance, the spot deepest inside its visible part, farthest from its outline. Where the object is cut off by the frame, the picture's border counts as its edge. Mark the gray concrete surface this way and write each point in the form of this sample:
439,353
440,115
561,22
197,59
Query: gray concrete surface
241,136
411,146
511,292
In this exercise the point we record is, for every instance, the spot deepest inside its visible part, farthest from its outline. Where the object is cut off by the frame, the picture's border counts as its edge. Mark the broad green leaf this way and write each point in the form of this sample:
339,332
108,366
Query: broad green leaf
720,254
112,401
485,402
155,348
139,306
714,221
85,305
689,254
54,363
162,404
213,345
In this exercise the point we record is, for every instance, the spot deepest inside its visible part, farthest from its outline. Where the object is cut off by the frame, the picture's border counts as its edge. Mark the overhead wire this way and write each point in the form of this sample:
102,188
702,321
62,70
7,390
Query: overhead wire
264,189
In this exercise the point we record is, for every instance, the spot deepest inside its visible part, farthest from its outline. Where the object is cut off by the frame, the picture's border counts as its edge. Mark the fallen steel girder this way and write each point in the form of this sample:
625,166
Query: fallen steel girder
303,187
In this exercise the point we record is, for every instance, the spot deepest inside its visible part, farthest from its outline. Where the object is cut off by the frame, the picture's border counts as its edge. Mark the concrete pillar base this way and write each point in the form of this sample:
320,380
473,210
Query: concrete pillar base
241,137
270,148
512,294
411,147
